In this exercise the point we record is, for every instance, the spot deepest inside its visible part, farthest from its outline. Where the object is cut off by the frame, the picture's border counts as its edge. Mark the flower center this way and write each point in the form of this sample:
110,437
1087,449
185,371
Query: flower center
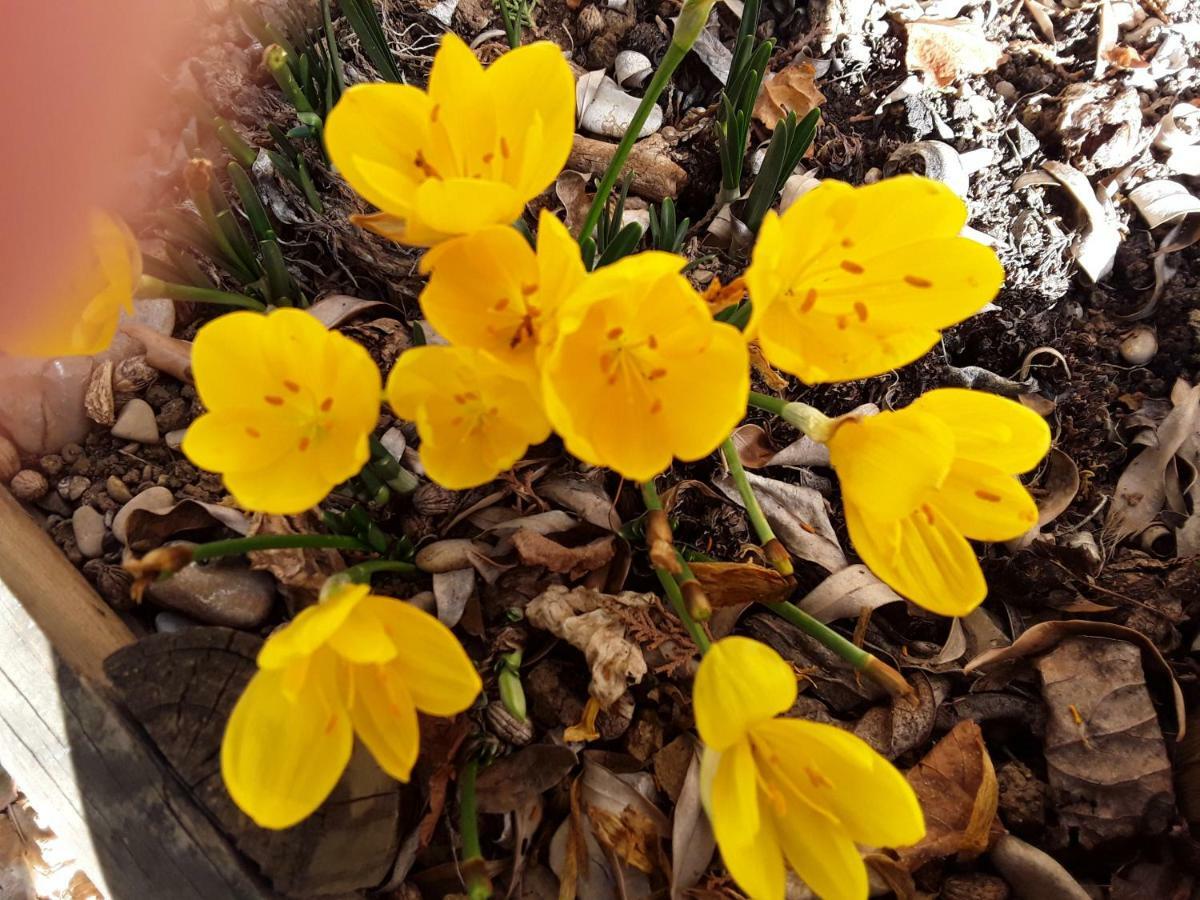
637,362
300,403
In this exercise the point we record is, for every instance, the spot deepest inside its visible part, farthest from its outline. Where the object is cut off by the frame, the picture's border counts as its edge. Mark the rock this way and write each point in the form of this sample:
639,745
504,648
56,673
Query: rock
10,459
1139,346
136,423
217,594
174,439
29,485
172,622
88,526
41,401
155,498
72,487
117,489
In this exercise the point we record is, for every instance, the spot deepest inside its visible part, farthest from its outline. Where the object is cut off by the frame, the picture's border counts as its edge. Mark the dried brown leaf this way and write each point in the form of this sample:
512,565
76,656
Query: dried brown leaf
844,594
574,562
149,528
583,496
623,820
1106,761
790,90
948,49
956,786
515,781
731,583
753,447
333,310
300,572
692,840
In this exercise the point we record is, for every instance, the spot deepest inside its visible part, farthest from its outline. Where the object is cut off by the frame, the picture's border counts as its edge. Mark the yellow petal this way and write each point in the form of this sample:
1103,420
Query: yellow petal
234,440
534,82
385,719
891,461
483,293
740,682
985,503
401,229
734,804
824,857
289,486
282,755
463,205
474,417
429,660
560,268
361,637
227,356
312,628
989,429
756,862
837,772
921,557
374,135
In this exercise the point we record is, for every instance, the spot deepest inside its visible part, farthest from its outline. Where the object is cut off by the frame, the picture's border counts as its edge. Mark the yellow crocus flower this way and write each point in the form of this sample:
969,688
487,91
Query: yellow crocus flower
475,417
490,291
640,372
469,152
787,789
852,282
918,482
290,407
354,664
97,283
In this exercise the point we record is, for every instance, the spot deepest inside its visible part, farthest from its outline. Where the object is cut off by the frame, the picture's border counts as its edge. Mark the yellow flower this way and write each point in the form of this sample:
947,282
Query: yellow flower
474,416
354,664
640,373
851,282
290,408
468,153
88,296
787,789
918,482
491,292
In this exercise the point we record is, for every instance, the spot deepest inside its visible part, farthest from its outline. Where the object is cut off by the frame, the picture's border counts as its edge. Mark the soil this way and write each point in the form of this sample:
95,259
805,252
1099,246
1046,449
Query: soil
1054,337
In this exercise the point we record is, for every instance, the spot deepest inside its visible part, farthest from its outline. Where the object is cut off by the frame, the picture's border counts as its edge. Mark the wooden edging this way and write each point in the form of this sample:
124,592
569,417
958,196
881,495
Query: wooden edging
87,769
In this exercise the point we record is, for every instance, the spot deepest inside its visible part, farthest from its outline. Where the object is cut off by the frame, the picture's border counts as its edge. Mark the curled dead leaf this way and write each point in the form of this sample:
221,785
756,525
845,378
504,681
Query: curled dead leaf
792,89
511,783
623,820
299,572
732,583
948,49
844,594
149,528
574,562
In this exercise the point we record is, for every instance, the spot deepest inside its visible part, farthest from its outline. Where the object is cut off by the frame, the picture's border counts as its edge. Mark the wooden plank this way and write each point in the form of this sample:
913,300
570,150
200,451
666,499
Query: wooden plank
86,768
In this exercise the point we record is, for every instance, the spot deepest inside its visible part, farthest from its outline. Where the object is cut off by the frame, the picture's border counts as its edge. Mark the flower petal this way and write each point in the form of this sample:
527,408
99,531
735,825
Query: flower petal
891,461
824,857
227,356
374,135
232,440
361,637
287,487
839,773
989,429
921,557
985,503
463,205
429,659
740,682
385,719
282,755
734,811
312,628
756,862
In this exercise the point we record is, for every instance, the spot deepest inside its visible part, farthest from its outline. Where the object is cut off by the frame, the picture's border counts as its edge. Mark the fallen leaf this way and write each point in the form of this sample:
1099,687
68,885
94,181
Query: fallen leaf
452,590
731,583
623,820
1041,17
1106,760
513,782
949,49
753,447
1057,489
583,496
1046,635
844,594
574,562
903,725
956,786
591,622
300,572
692,840
333,310
1163,201
149,528
571,190
1096,247
1141,489
792,89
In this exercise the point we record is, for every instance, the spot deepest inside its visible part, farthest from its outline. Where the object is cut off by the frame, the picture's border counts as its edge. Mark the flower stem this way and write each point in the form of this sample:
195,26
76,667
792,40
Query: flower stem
861,660
667,580
362,572
474,867
155,287
808,419
776,553
670,62
239,546
766,401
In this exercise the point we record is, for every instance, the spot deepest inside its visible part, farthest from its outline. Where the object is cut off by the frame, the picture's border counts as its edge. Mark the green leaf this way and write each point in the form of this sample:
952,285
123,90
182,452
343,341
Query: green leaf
251,203
622,245
365,21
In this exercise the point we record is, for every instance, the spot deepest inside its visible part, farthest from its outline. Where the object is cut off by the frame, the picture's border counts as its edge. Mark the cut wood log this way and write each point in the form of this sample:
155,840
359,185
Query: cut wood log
182,688
655,175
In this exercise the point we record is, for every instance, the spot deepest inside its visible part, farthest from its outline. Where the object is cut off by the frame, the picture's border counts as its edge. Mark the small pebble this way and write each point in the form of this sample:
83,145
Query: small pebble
88,526
217,595
156,498
1006,89
52,464
72,488
136,423
29,485
174,439
172,622
117,489
1139,346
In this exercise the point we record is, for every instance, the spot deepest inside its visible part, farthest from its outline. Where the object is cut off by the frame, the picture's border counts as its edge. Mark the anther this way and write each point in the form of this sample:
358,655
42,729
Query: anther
917,281
273,400
852,267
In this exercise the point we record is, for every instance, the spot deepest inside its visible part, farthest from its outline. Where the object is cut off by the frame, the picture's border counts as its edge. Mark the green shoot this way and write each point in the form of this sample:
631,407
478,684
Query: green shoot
666,233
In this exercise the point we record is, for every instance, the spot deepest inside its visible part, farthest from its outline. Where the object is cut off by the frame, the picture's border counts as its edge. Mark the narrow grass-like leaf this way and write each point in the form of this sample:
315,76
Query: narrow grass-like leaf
365,21
252,205
279,281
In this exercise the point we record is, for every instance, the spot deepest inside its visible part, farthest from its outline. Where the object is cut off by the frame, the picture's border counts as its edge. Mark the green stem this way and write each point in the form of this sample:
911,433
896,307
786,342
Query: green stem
670,62
774,550
861,660
239,546
670,585
154,287
479,886
767,402
362,572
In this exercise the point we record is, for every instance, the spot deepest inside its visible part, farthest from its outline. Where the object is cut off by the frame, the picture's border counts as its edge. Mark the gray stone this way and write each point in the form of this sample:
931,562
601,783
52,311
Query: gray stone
136,423
156,498
117,489
88,526
217,594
